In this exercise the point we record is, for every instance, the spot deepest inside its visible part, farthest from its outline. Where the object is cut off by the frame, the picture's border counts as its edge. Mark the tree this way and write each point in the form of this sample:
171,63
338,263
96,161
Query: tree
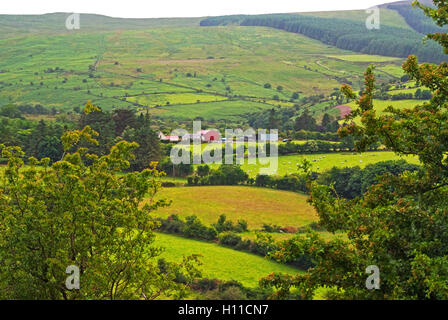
273,121
124,118
149,144
10,111
101,122
305,122
88,216
49,147
329,124
203,170
399,225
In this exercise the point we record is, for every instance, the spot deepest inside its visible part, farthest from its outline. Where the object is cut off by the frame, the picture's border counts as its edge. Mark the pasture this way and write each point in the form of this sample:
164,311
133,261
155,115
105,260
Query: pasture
288,164
220,262
388,17
257,206
217,73
380,106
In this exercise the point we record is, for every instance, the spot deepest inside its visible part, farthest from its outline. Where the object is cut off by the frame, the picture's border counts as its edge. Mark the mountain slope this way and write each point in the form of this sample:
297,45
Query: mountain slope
415,17
344,34
55,23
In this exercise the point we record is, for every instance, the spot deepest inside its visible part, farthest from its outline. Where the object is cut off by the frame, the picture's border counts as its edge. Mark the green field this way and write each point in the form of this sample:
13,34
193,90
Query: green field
288,164
363,58
187,70
255,205
229,110
388,17
380,106
220,262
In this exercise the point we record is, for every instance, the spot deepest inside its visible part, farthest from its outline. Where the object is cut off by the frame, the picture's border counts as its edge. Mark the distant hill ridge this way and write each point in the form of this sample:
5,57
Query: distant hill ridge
351,34
335,29
55,22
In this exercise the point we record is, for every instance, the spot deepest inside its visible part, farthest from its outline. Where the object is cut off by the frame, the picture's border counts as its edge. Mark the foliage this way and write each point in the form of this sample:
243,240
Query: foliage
416,18
194,228
225,225
191,227
227,174
10,111
229,239
399,225
354,182
214,289
87,215
291,182
221,262
345,34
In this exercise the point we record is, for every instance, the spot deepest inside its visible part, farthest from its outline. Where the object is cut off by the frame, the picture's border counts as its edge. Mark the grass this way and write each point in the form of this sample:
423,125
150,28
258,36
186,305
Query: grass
251,235
380,106
179,65
228,110
363,58
220,262
288,164
255,205
175,98
388,17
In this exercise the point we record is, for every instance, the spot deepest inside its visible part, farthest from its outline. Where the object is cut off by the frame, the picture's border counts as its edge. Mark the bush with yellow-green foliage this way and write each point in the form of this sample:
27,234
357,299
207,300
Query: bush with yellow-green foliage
86,215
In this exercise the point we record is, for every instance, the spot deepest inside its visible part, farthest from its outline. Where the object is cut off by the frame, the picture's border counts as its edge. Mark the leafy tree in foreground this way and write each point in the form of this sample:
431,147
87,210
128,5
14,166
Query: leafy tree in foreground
90,216
401,224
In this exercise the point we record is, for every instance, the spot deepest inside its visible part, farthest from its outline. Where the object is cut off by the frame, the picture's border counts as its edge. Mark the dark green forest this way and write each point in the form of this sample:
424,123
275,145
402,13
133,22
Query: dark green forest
416,19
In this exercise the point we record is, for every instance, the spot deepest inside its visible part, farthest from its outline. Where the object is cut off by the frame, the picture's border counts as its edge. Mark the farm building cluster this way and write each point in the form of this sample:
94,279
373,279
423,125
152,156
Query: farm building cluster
209,136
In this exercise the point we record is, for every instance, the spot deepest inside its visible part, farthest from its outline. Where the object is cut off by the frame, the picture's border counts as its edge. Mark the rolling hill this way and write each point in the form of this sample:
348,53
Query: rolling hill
181,70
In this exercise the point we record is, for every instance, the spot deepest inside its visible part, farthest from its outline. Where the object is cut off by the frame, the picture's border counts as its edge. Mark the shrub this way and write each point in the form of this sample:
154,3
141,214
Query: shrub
263,244
203,171
244,245
194,228
270,228
205,284
172,224
223,225
241,226
168,184
229,239
225,175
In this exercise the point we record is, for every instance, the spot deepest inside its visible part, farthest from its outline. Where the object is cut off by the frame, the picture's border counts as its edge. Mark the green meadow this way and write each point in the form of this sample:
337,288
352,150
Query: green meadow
261,205
215,73
288,164
388,17
220,262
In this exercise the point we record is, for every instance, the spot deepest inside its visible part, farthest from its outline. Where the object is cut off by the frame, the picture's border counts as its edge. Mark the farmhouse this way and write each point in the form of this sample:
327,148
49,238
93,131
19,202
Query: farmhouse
209,135
206,136
165,138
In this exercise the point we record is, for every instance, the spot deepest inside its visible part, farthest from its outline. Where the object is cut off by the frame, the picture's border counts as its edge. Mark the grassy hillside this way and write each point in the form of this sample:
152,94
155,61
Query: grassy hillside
348,34
55,23
289,163
255,205
381,105
220,262
214,73
388,17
